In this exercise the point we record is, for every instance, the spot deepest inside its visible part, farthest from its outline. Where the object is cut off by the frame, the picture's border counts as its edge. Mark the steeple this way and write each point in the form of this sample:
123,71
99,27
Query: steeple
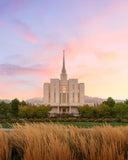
63,68
63,73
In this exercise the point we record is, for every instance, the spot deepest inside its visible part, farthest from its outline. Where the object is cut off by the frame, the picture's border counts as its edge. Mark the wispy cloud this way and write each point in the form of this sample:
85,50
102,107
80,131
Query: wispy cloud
24,30
21,29
34,71
9,69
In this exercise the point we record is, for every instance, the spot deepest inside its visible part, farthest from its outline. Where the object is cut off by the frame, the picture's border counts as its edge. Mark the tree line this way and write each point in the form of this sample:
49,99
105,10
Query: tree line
108,109
17,109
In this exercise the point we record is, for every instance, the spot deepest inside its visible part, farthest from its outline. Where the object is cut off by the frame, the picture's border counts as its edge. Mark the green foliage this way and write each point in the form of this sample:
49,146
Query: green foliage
15,107
88,112
120,109
95,112
110,102
23,103
4,109
26,111
118,119
104,110
41,111
126,101
29,111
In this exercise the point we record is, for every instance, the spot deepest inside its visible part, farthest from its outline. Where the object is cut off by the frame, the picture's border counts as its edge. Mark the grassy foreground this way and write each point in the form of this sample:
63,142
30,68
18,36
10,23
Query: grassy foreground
56,142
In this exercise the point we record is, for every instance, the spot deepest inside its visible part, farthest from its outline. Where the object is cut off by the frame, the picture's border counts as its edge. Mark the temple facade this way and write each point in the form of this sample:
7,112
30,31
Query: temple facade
64,95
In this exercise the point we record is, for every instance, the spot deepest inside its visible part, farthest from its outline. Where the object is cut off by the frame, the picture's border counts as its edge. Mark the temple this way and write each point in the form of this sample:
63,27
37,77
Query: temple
64,95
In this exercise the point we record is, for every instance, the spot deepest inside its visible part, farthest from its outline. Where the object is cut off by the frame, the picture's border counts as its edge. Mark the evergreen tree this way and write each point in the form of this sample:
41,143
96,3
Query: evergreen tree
4,109
15,107
23,103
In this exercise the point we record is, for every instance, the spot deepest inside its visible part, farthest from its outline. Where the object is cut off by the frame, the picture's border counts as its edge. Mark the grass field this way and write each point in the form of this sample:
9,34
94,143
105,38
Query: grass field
56,142
78,124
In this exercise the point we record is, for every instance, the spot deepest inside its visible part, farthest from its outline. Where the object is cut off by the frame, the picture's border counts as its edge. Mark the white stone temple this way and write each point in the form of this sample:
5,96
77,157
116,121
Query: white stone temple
64,95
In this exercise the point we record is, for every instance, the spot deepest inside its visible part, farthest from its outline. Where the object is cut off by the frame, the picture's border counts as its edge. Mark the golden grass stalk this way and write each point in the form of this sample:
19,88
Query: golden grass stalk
57,142
4,147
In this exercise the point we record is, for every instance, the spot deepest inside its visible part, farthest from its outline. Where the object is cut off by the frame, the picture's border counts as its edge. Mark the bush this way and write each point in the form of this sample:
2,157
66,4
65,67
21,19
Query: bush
124,120
118,119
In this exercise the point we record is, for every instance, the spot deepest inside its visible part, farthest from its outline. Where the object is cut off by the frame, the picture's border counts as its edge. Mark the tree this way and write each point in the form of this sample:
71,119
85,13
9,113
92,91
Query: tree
29,111
126,101
110,102
15,107
4,108
26,111
41,111
86,111
104,110
95,113
121,109
23,103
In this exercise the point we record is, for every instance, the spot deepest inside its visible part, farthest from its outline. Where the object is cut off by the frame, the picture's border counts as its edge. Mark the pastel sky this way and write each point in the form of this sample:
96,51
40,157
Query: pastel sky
94,34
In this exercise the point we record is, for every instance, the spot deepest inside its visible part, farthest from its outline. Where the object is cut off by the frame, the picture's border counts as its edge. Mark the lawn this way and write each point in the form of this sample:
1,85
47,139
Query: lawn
92,124
78,124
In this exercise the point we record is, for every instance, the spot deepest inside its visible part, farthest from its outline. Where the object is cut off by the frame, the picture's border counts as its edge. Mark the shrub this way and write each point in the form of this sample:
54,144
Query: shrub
118,119
124,120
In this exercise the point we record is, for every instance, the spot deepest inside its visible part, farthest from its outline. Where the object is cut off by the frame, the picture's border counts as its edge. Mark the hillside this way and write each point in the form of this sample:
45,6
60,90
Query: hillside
39,100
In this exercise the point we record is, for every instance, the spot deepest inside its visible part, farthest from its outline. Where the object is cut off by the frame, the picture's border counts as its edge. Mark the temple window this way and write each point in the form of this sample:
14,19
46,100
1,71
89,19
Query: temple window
64,89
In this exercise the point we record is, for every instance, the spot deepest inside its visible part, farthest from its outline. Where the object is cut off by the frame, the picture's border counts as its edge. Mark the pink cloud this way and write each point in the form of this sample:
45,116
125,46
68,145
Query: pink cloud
26,35
17,4
8,69
105,56
11,88
22,30
40,72
86,51
77,52
6,85
19,89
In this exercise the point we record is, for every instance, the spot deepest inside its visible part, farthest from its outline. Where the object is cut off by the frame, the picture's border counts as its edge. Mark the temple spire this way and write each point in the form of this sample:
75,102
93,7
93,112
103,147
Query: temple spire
63,73
63,68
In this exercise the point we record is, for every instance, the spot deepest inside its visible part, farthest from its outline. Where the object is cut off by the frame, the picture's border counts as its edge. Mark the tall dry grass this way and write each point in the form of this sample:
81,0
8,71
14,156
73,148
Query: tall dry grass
4,147
56,142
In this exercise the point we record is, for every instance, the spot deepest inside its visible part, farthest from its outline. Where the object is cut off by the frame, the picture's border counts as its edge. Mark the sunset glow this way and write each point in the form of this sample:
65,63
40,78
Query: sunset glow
93,33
